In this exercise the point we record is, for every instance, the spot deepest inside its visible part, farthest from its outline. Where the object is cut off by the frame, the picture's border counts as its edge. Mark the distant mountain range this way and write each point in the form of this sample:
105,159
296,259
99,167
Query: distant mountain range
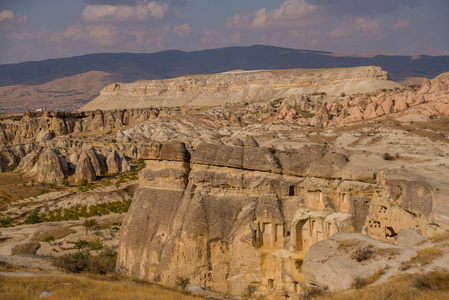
70,82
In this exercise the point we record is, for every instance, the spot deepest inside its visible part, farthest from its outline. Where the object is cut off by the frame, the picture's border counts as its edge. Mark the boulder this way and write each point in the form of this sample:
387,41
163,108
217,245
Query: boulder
409,238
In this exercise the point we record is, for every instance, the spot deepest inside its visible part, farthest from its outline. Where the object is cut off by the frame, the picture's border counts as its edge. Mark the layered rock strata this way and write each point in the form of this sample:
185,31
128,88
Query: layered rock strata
240,87
229,218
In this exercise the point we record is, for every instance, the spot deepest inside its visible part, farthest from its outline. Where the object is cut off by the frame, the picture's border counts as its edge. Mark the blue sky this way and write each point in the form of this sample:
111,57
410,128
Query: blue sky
41,29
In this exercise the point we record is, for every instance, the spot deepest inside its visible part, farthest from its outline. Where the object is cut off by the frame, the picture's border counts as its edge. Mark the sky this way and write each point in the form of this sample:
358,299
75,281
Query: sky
43,29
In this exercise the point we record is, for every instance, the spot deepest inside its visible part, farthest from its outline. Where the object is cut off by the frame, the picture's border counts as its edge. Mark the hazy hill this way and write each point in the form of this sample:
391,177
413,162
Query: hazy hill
30,85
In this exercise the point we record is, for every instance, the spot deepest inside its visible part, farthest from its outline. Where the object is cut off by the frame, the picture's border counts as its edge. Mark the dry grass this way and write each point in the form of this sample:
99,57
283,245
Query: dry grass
442,237
12,187
423,257
430,286
57,233
375,276
71,287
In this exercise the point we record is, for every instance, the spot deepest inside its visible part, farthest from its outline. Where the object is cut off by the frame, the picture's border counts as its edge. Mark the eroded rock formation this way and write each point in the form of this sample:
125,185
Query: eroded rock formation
241,86
229,217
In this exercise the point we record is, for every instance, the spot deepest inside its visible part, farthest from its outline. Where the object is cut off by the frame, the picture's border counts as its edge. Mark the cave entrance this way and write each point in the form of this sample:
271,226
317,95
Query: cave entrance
291,190
270,283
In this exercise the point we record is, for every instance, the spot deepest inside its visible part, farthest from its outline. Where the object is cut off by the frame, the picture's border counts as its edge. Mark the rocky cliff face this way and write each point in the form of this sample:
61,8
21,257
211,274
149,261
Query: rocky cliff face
240,87
232,217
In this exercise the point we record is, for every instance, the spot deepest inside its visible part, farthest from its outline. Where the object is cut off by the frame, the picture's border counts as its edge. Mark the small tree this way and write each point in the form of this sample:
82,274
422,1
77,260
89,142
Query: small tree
96,245
89,224
81,244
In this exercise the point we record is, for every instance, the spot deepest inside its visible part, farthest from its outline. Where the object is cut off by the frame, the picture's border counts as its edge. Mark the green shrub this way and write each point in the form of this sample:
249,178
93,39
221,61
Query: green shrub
85,262
82,182
81,244
5,221
387,156
33,217
65,182
75,263
96,245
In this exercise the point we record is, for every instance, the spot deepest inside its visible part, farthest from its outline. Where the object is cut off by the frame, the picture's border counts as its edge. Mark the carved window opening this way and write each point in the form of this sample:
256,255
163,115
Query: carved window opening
270,283
312,226
382,209
298,265
366,204
328,229
389,232
374,224
291,190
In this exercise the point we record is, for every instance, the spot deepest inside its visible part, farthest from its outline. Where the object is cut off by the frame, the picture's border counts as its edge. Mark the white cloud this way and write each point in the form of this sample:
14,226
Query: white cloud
6,14
401,24
103,34
291,14
141,13
182,30
360,28
217,39
10,21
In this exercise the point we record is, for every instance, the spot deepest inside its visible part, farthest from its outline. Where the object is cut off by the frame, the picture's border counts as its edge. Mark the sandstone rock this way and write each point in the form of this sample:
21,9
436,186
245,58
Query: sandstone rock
330,263
96,161
50,168
28,162
370,111
208,90
387,105
249,141
85,168
400,104
174,150
74,158
356,114
114,163
44,136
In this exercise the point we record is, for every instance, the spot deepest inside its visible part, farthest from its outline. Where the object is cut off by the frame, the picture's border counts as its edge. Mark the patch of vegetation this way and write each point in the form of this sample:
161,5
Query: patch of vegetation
89,224
65,182
358,283
78,211
49,238
310,292
422,257
33,217
363,254
70,287
82,182
41,192
387,156
6,221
